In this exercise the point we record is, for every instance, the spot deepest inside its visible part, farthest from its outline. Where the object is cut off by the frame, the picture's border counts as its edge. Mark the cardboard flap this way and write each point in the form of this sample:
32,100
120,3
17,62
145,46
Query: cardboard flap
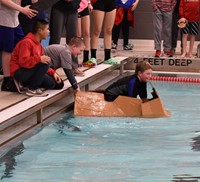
130,106
93,104
154,109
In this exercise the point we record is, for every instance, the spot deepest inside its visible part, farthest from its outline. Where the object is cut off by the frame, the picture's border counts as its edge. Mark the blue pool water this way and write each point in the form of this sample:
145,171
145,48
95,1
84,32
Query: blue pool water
114,149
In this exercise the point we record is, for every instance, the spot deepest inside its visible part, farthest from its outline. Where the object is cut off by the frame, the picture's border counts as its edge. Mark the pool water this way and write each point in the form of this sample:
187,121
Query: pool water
114,149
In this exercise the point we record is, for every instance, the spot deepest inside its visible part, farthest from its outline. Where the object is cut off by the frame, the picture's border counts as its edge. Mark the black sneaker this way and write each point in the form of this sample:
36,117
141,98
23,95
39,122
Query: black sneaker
128,48
131,45
8,86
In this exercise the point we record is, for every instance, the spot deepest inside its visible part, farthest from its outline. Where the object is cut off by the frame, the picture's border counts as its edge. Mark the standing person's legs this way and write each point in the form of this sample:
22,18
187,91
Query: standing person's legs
71,26
97,21
167,31
192,40
8,40
125,31
184,45
6,63
194,30
12,36
108,26
84,31
57,22
85,24
157,25
175,30
79,28
115,33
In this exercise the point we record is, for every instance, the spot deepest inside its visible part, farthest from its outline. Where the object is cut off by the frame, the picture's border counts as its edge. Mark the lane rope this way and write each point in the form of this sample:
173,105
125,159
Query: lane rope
176,79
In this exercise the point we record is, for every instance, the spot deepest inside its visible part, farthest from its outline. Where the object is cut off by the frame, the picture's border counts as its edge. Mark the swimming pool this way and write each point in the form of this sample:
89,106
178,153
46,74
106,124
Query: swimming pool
114,149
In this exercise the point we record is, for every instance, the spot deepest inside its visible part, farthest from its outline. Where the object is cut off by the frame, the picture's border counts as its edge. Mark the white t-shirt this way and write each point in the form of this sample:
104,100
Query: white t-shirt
9,17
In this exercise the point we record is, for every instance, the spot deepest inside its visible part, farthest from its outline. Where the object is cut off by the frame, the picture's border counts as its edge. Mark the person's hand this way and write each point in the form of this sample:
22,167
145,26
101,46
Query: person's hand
182,20
30,13
145,100
90,7
75,91
34,1
45,59
57,78
154,94
134,5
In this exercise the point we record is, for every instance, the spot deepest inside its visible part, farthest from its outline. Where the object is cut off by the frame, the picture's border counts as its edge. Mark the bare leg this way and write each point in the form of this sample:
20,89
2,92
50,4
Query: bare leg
85,27
97,21
184,45
79,33
192,40
108,26
6,63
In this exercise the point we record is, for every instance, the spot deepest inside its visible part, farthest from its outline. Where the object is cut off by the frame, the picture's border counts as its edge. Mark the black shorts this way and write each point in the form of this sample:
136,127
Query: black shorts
104,5
85,12
191,28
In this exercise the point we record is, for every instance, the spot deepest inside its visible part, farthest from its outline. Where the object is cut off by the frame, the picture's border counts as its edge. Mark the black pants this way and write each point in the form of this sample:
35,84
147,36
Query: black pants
35,77
175,30
61,18
124,25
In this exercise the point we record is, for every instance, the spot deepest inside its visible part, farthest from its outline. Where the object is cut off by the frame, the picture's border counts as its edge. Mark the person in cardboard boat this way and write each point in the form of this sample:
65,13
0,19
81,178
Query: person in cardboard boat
133,85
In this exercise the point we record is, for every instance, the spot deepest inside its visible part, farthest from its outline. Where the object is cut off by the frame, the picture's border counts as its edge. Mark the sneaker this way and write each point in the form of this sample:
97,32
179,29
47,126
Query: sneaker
8,86
90,63
114,46
131,45
157,53
20,88
173,50
168,54
111,61
36,93
78,72
128,47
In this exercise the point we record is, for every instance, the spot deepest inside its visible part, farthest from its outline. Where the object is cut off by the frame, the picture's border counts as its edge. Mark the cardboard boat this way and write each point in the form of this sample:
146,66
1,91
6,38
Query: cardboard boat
93,104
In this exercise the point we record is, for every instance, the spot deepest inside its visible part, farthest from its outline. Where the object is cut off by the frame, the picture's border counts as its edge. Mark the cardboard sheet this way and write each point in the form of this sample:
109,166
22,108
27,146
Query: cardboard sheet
93,104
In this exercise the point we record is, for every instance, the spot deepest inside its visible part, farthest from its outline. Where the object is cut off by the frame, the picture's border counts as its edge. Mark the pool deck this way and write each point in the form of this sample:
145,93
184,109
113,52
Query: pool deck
19,113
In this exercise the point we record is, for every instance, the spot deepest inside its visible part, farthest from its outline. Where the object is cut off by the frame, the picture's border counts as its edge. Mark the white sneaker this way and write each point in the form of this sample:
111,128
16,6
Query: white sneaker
36,93
20,88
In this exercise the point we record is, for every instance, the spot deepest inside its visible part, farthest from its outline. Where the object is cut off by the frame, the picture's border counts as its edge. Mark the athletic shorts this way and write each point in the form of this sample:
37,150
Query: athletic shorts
104,5
191,28
85,12
9,37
